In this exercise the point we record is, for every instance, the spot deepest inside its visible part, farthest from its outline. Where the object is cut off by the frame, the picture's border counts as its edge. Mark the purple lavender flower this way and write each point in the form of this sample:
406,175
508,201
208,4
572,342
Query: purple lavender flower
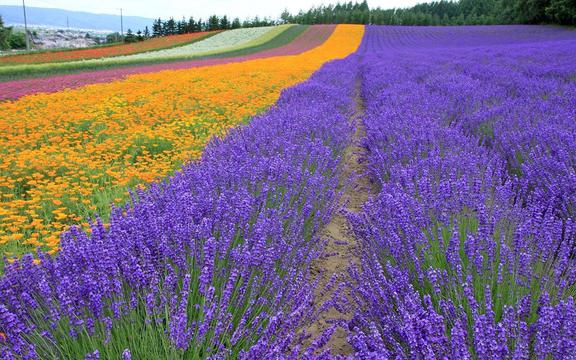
126,355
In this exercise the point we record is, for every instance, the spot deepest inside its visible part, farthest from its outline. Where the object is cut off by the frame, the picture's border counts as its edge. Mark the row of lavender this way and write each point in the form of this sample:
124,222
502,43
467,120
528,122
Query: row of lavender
212,263
469,248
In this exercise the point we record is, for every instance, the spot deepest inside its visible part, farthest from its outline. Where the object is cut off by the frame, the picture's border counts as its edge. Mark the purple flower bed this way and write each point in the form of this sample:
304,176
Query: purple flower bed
213,262
469,247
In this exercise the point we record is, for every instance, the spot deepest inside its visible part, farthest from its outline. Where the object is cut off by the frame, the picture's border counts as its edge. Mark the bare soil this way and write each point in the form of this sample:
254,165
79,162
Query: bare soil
341,250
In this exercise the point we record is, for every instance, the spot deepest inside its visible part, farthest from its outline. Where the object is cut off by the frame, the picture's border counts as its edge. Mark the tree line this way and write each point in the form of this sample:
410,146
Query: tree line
186,26
214,22
443,12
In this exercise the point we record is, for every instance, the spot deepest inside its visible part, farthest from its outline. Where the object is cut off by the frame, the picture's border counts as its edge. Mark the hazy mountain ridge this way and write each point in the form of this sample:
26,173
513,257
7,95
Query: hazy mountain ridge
12,14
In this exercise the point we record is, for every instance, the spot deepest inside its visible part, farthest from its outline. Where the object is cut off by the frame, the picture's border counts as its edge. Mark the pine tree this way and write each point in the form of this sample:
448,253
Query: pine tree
181,26
157,28
170,27
191,27
200,25
224,23
213,23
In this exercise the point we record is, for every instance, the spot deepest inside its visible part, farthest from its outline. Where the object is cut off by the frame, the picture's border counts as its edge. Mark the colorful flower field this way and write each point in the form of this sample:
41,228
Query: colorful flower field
208,44
91,143
190,212
153,44
312,37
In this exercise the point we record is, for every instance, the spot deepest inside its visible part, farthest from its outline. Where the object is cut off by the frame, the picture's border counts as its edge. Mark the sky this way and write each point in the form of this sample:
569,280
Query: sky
196,8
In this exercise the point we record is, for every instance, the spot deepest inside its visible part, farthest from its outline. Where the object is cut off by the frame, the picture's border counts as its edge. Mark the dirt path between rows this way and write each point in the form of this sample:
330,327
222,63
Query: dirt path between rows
341,249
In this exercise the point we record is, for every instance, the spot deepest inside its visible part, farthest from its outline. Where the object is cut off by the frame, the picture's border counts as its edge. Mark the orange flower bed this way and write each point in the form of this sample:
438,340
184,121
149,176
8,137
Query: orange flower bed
104,51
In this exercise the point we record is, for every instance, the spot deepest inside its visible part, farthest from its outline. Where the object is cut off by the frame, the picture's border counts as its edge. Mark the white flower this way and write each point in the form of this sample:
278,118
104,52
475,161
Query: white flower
233,39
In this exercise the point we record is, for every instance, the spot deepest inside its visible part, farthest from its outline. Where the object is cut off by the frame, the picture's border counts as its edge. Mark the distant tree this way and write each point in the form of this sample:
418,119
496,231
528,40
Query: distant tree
157,28
562,11
17,40
213,23
146,32
530,11
200,25
169,27
285,17
130,37
257,22
181,26
5,33
236,23
113,38
224,23
139,36
191,26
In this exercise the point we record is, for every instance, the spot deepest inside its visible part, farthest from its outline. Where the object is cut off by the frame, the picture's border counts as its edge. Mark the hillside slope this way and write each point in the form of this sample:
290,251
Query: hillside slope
12,14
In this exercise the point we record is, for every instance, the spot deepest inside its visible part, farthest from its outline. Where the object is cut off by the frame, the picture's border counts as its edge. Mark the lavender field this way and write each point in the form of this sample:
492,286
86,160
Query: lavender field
463,140
468,246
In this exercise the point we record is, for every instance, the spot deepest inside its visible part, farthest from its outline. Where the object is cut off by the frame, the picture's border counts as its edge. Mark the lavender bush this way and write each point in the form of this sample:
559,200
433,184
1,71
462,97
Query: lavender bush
213,262
469,245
